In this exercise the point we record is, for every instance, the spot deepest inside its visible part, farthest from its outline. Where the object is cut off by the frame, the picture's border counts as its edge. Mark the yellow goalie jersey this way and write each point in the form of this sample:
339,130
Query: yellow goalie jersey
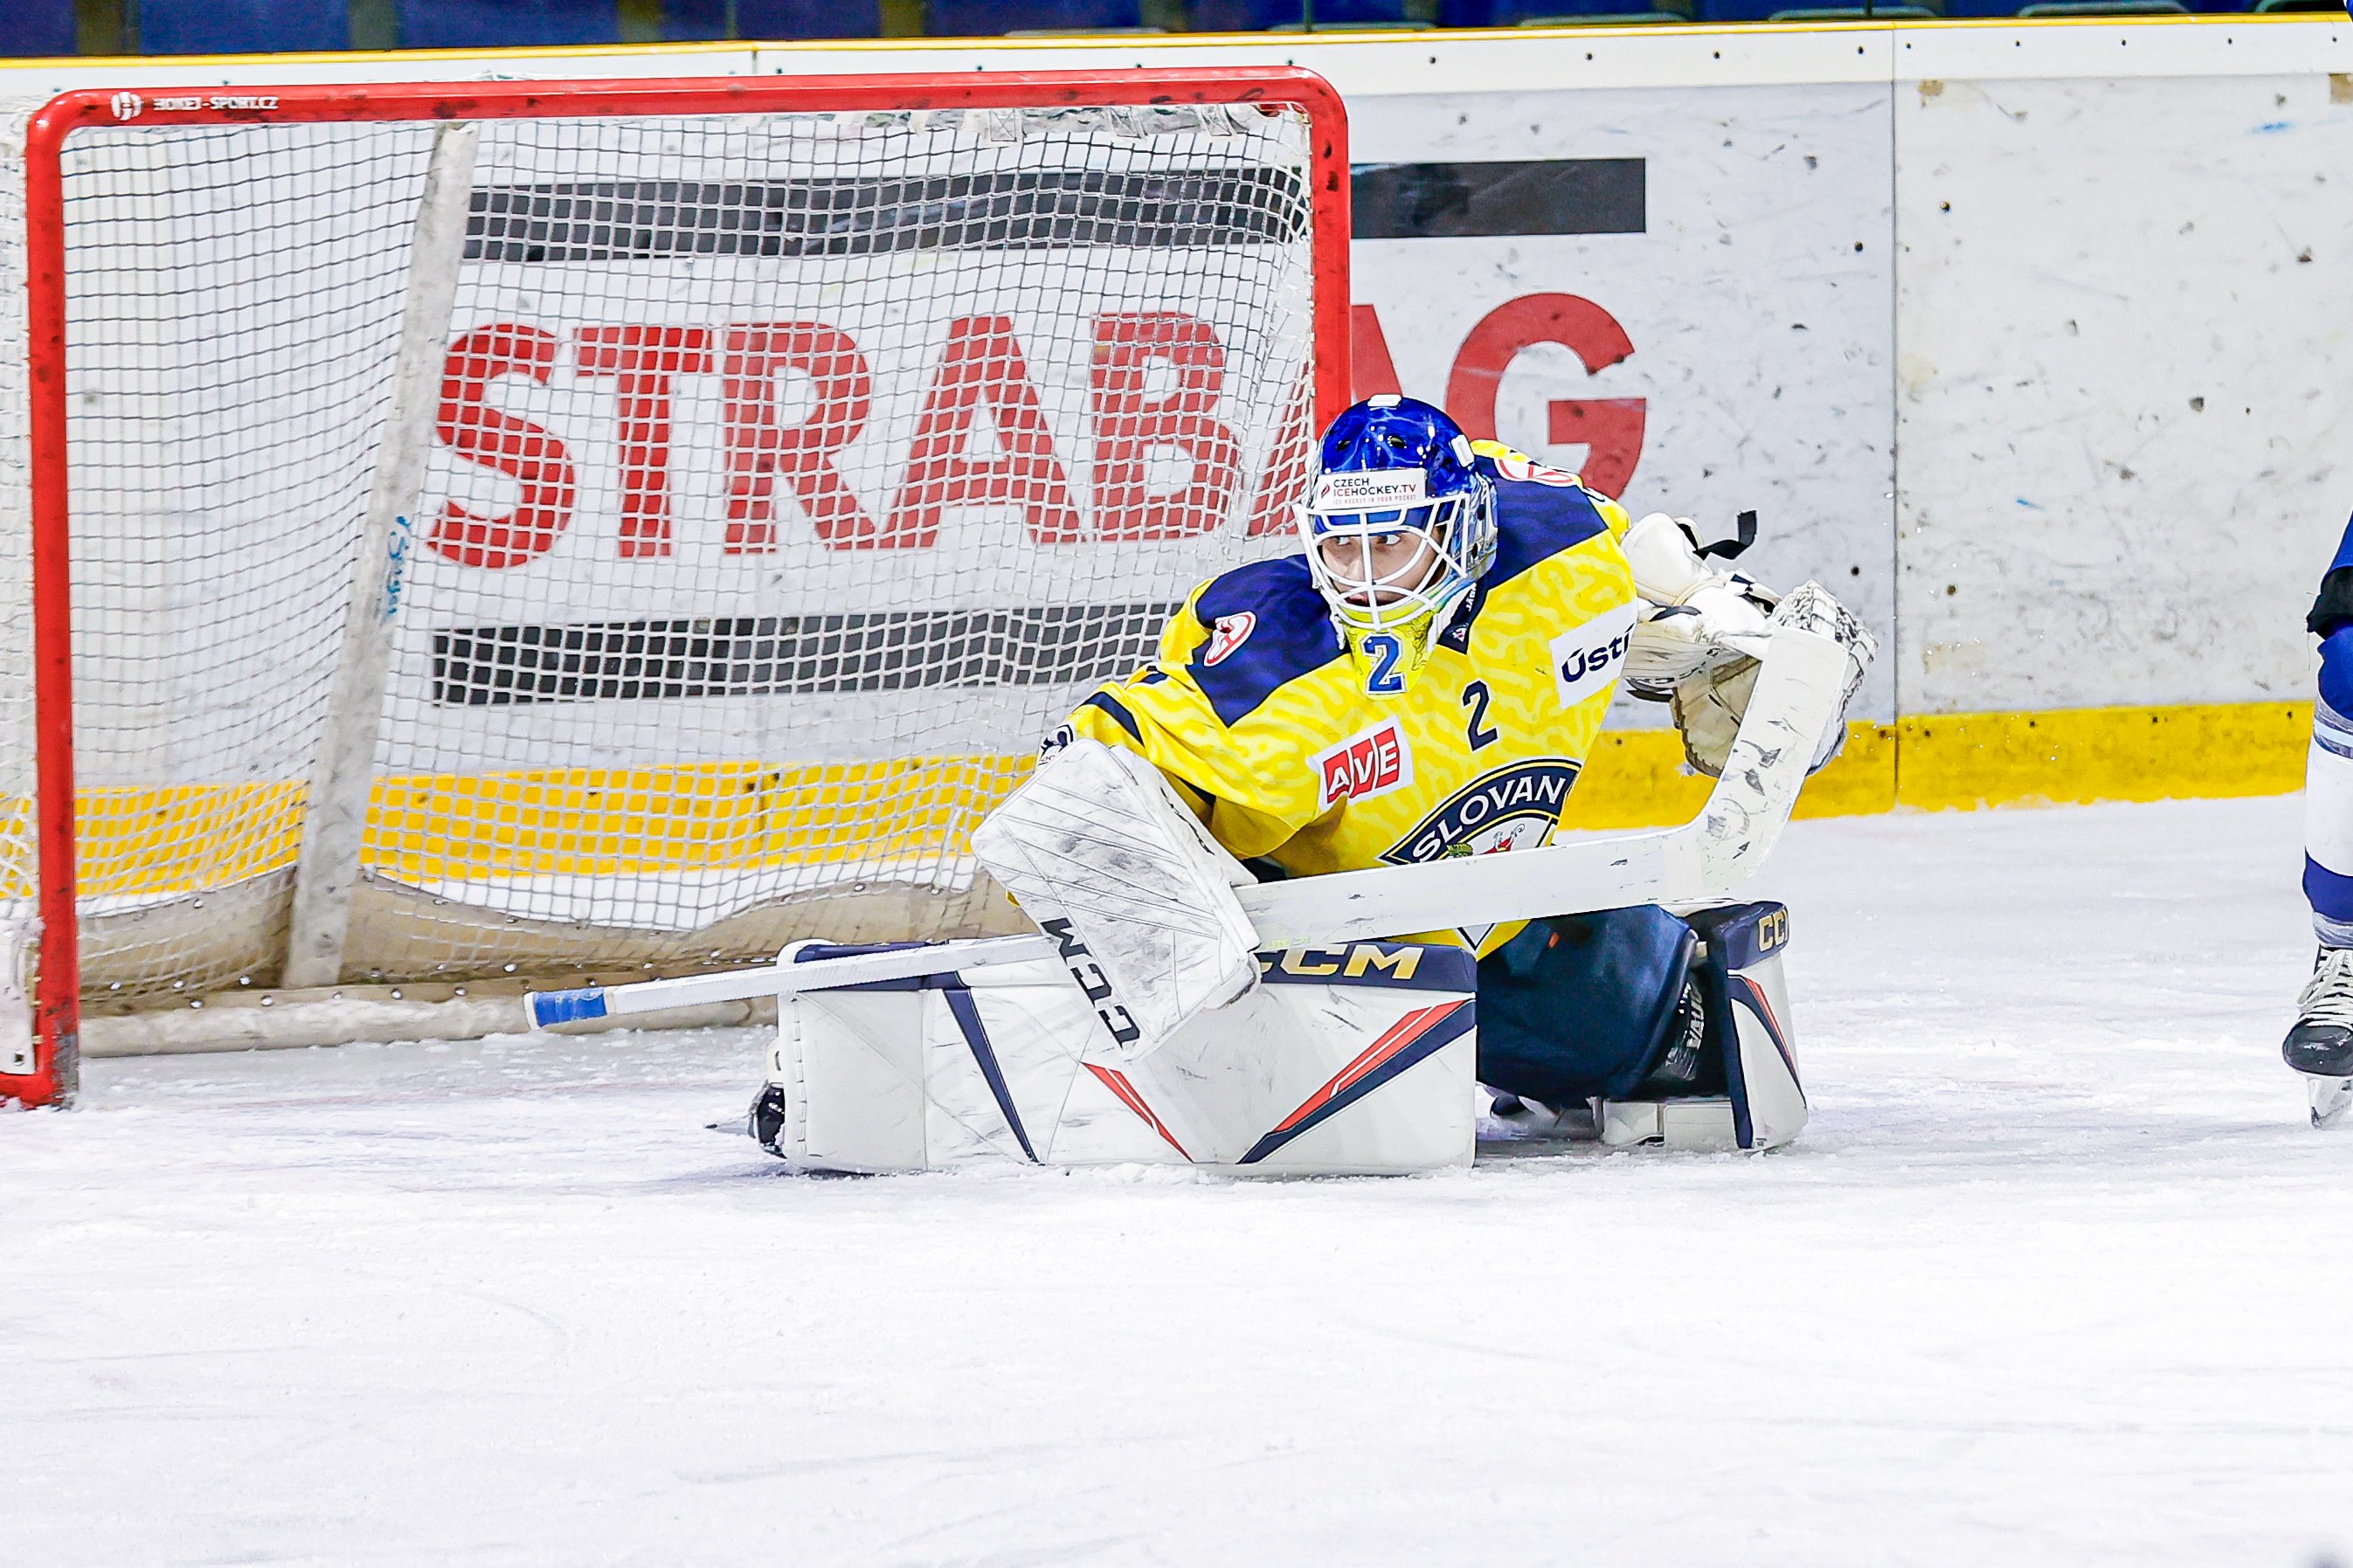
1324,753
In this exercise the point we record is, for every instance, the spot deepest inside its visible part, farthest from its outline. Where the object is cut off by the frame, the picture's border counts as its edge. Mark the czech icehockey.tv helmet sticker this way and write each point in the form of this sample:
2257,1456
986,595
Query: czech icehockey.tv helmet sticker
1364,765
1510,808
1229,632
1585,659
1379,489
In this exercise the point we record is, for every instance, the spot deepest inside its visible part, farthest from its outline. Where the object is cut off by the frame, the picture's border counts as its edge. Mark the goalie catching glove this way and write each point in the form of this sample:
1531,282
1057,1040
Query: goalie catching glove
1701,633
1138,897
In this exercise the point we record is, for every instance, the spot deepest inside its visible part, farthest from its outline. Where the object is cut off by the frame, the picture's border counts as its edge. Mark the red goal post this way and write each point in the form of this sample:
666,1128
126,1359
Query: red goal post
513,528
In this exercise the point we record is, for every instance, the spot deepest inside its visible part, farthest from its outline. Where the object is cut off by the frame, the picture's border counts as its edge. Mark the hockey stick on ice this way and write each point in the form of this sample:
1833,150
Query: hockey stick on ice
1799,695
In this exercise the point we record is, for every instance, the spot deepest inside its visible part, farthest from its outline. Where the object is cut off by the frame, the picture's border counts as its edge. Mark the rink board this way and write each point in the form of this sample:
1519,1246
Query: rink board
2016,334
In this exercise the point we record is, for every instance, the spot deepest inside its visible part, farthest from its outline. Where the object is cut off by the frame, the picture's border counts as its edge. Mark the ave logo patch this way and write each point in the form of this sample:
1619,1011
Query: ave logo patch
1228,634
1585,659
1510,808
1365,766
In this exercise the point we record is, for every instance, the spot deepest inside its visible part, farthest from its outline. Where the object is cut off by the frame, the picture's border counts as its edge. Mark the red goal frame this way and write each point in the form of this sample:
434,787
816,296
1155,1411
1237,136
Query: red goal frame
56,997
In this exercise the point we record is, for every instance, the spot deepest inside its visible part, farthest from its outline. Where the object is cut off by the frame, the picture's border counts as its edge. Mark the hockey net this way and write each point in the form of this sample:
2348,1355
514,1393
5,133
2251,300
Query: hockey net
791,456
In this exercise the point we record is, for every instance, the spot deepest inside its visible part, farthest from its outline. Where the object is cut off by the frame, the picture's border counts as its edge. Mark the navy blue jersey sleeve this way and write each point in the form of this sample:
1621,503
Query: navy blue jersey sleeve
1261,627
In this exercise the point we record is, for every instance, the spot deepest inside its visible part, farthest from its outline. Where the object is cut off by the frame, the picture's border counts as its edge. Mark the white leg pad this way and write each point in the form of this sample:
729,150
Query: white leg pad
1766,1096
1357,1059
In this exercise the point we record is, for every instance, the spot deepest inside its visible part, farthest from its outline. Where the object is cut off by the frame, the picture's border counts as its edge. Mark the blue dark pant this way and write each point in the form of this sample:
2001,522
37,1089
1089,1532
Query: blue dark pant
1580,1005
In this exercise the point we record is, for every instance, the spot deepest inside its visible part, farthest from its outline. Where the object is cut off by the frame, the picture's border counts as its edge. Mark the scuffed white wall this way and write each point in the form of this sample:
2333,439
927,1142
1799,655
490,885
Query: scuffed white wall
2081,313
2125,406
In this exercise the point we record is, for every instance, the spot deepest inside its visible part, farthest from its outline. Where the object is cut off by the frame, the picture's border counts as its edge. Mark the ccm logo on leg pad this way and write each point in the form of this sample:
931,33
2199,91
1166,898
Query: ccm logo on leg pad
1091,978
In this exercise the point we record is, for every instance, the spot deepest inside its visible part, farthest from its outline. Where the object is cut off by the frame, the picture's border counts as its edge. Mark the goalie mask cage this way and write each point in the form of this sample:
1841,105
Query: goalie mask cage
493,534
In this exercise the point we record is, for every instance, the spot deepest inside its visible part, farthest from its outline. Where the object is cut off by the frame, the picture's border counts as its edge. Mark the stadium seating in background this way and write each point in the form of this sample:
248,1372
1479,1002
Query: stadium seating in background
690,21
1897,12
1537,13
446,24
2107,8
238,27
1839,10
38,28
2088,7
808,18
1915,10
984,18
1588,13
499,24
1251,15
698,21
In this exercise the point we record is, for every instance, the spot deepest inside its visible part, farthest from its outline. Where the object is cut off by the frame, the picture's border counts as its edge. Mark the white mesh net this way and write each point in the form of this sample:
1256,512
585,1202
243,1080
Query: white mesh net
791,475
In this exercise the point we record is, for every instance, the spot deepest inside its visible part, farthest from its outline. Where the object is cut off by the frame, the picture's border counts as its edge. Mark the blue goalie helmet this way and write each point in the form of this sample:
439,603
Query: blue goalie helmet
1398,522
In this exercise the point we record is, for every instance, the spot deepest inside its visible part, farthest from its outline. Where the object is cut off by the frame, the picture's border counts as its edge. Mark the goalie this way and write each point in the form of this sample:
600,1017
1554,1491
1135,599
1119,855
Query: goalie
1424,680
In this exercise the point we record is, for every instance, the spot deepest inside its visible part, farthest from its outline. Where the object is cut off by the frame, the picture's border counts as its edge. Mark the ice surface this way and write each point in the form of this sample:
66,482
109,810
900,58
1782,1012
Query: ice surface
2059,1275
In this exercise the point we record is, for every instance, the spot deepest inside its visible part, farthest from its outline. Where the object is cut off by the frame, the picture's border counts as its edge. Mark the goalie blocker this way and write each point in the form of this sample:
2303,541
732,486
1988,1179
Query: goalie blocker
1359,1059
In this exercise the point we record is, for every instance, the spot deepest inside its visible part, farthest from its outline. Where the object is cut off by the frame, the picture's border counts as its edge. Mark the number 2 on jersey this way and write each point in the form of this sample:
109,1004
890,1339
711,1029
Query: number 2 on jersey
1385,651
1475,729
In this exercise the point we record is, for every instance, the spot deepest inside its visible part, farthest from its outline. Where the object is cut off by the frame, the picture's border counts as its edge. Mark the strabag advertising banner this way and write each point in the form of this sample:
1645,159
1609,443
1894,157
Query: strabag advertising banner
1683,296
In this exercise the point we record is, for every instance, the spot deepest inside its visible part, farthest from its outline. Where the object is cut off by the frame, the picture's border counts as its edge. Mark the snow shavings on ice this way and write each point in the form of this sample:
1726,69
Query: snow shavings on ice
2058,1275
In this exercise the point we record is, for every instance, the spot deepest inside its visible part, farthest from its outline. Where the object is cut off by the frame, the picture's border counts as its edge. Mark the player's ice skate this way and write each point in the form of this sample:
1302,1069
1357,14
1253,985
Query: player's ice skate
2320,1046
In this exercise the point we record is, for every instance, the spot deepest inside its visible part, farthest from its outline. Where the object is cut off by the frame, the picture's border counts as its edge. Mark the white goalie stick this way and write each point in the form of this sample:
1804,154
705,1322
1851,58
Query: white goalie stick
1800,692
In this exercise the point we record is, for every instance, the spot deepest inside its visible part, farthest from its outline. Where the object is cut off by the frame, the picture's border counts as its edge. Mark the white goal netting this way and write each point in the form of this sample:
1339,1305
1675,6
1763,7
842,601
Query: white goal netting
790,476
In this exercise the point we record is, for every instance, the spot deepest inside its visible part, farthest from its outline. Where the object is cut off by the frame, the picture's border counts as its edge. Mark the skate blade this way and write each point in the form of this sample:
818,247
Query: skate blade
2331,1098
